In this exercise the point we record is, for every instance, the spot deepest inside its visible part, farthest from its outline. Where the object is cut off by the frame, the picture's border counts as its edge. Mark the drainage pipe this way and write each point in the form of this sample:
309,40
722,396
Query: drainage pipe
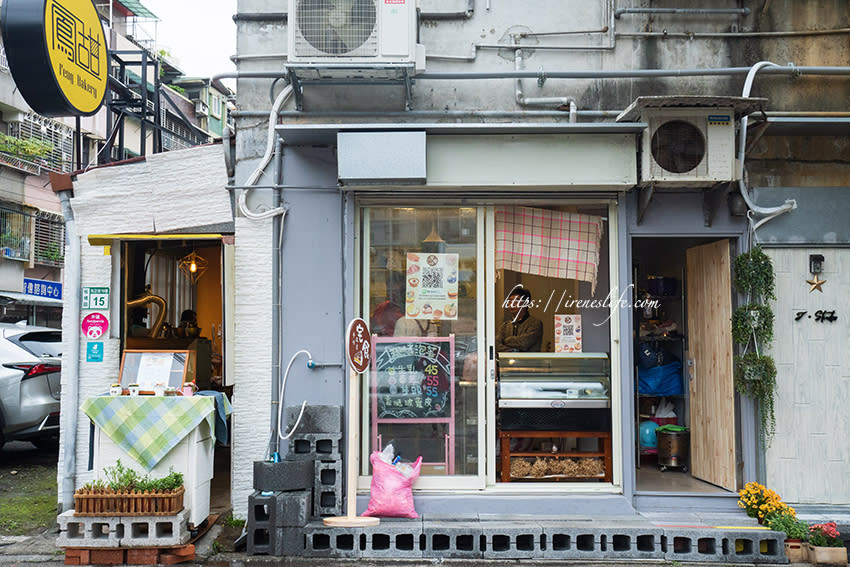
277,292
71,357
768,212
684,11
486,114
523,100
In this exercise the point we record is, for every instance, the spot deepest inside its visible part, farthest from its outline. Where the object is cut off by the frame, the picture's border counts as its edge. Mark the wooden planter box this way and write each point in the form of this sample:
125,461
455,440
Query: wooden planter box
827,555
128,503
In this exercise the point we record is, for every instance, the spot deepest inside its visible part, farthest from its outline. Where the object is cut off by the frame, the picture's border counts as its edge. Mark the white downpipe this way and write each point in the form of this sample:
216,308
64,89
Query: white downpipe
523,100
267,157
768,212
71,357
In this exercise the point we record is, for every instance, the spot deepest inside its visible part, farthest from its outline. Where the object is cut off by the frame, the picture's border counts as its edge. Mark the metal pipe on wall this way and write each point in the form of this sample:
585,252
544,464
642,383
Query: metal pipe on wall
463,15
71,357
684,11
277,304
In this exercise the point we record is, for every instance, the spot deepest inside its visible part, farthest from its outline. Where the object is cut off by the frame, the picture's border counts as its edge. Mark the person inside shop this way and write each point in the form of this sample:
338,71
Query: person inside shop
520,332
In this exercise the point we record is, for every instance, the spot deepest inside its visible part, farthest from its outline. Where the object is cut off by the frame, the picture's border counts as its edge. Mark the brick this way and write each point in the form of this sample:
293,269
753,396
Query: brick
316,419
143,556
75,556
106,556
285,475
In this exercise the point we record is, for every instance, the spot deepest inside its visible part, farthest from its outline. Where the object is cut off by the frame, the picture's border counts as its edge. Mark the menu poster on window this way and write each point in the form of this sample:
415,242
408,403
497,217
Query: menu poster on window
431,286
413,380
567,333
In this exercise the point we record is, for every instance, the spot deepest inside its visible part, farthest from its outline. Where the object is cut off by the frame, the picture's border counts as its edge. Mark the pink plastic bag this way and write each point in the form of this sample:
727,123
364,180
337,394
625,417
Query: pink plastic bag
390,494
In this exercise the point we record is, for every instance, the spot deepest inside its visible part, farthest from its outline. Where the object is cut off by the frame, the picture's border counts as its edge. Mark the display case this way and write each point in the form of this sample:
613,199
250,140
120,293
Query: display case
555,380
554,391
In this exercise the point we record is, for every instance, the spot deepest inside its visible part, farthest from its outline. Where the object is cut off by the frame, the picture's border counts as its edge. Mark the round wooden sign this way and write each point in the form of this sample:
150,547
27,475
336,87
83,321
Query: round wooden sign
358,343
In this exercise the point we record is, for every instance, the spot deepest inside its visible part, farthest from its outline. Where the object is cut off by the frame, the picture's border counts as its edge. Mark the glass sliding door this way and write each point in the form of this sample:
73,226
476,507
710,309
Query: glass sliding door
421,293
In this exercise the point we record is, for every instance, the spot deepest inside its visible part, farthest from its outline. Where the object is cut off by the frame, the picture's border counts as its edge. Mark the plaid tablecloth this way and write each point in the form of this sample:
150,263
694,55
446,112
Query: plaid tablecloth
148,427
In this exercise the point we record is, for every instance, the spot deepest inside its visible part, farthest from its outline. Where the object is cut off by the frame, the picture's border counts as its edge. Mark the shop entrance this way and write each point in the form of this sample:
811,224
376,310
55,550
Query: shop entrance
686,436
173,302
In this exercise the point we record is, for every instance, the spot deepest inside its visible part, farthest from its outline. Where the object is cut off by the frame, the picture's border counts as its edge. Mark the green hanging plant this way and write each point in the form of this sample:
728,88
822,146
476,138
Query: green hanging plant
755,377
752,319
754,274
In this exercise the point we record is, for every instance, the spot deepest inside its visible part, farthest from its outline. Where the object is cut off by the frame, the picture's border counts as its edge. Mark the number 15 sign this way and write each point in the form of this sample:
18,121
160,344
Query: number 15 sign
95,298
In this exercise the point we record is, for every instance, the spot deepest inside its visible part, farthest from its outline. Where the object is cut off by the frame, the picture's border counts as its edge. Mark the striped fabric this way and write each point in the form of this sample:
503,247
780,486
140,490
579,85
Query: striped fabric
548,243
148,427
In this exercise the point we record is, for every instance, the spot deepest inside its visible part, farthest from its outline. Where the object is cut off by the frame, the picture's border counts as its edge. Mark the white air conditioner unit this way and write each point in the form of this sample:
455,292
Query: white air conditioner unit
692,147
352,32
201,108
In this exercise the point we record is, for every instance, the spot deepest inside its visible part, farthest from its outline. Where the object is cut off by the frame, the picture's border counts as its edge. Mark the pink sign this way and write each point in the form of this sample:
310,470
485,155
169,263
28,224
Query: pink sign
94,325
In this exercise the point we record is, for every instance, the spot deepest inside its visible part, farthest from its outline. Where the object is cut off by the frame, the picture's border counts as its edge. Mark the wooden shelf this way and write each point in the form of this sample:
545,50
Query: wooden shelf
604,438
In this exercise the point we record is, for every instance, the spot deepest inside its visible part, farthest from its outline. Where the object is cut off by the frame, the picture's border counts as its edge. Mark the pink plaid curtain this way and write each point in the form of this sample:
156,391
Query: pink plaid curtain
548,243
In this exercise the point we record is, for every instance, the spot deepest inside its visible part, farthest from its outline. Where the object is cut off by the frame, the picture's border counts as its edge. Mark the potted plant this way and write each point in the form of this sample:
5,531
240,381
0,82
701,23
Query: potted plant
755,377
761,502
125,492
796,532
752,325
825,547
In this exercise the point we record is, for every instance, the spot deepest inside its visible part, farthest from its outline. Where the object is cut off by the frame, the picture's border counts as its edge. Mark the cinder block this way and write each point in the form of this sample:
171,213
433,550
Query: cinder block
327,501
313,446
325,541
327,473
156,531
572,540
728,546
283,476
89,531
513,540
316,419
453,540
276,541
280,509
630,542
395,538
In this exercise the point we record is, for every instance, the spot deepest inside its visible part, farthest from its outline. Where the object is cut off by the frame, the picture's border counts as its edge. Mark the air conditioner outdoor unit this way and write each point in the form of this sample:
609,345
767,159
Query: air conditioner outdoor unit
688,146
201,108
352,31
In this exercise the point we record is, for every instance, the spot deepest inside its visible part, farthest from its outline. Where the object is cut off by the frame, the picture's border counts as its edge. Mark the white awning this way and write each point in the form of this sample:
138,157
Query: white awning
10,296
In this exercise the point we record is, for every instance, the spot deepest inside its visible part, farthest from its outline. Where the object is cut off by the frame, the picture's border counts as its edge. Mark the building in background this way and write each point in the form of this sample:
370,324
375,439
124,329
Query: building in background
141,115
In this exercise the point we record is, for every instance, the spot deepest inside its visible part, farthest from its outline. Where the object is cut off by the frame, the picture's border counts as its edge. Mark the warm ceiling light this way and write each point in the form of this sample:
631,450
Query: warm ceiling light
192,266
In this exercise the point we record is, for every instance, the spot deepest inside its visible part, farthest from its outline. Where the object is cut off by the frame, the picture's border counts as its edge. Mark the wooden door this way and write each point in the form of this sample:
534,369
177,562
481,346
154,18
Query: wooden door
712,393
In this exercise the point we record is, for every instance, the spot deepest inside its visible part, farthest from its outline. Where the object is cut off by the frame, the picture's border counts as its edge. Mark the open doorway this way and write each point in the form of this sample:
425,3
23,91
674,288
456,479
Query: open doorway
685,432
173,302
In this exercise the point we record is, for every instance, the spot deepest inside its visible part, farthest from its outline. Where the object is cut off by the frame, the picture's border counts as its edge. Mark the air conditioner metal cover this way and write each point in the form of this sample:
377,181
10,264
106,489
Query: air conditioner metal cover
349,31
688,147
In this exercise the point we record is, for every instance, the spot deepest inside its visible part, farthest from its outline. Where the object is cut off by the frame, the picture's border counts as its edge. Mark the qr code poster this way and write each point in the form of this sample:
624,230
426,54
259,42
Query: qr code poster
567,333
431,286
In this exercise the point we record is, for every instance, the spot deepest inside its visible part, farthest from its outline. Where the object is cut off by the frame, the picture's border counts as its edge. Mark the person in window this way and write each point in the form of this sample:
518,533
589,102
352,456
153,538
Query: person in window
520,332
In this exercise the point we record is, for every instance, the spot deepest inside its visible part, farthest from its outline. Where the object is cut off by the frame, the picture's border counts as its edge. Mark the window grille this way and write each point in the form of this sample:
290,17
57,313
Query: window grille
15,235
60,137
49,239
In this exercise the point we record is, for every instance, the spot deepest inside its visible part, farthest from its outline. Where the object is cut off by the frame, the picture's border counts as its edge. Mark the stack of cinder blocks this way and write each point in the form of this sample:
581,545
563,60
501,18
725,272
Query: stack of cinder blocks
132,540
305,485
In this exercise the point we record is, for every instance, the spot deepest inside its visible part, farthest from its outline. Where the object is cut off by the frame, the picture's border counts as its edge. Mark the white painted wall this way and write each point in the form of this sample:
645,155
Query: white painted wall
809,459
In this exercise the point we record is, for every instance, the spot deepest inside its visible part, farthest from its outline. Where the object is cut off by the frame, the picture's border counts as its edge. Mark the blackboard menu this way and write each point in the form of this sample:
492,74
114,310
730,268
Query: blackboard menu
413,378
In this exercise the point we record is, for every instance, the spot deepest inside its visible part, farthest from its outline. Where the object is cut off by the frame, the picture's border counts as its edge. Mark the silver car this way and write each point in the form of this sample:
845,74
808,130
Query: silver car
30,371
